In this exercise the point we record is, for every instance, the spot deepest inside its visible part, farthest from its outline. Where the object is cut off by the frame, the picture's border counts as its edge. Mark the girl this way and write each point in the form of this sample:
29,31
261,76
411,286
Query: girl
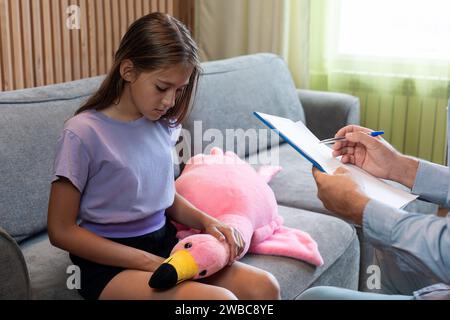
114,171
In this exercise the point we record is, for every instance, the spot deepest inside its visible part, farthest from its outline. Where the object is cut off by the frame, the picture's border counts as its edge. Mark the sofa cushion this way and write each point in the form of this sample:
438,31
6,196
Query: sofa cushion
230,90
294,186
31,122
14,279
47,267
337,242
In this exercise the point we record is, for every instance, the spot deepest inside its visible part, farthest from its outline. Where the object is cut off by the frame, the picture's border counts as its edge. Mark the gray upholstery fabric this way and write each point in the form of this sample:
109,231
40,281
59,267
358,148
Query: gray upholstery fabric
337,274
63,91
327,112
294,185
47,267
14,280
230,90
337,242
336,239
31,121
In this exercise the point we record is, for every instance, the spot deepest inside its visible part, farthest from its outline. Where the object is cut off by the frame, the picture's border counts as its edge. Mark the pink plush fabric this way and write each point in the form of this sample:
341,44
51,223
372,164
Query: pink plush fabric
229,189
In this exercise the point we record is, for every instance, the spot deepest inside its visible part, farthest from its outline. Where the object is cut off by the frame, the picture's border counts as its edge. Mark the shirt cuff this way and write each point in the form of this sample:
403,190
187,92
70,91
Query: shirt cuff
432,182
378,222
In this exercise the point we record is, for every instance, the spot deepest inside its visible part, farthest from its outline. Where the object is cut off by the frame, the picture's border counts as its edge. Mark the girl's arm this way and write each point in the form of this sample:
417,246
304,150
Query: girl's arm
66,234
182,211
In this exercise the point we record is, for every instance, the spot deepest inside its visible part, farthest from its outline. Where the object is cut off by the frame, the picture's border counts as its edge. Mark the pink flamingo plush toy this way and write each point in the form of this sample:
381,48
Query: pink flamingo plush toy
229,189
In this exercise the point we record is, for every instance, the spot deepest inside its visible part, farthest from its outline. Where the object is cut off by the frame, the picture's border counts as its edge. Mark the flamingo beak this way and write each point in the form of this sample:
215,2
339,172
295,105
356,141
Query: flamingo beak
177,268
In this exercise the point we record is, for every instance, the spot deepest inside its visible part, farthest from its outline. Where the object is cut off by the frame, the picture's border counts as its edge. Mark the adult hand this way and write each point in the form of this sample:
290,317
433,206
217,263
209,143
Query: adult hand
374,155
340,194
224,232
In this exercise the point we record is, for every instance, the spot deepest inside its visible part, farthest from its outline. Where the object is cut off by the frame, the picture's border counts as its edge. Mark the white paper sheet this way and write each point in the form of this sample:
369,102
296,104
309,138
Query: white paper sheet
297,134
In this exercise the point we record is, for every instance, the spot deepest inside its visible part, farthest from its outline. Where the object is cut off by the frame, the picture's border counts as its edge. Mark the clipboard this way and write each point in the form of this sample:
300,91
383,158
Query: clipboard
299,137
285,138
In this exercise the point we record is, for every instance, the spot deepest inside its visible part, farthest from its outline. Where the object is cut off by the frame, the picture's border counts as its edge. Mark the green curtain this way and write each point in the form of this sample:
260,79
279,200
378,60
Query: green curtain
228,28
405,96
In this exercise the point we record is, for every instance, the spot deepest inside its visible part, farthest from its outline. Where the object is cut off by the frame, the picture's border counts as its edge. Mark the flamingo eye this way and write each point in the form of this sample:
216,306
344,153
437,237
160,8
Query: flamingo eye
203,273
187,245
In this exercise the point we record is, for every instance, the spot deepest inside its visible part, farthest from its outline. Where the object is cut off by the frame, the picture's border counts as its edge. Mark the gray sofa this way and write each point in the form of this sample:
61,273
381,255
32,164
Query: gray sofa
229,91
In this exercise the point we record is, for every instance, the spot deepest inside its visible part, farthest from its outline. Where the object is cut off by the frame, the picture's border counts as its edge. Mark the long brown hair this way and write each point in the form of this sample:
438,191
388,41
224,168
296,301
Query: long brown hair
154,41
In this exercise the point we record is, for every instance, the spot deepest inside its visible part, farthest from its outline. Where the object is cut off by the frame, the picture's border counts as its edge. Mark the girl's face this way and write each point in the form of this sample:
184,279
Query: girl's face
154,93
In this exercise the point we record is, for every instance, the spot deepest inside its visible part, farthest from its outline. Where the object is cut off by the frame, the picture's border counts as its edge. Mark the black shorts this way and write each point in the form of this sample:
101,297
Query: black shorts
95,277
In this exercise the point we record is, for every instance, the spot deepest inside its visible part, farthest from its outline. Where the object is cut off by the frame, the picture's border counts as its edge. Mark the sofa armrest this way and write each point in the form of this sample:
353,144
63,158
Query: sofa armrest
14,277
327,112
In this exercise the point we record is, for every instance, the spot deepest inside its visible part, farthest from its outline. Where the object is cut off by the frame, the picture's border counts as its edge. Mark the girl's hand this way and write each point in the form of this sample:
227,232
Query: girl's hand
224,232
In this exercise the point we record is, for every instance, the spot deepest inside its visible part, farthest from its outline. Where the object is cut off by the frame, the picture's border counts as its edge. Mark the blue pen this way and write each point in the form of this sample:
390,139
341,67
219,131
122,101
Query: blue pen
333,140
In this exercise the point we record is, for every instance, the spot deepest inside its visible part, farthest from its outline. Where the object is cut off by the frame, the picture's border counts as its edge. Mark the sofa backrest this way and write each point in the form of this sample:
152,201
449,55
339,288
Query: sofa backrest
230,90
31,121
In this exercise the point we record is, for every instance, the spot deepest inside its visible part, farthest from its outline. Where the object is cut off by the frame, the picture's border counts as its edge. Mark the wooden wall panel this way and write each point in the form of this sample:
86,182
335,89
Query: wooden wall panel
57,27
48,39
37,48
84,38
17,49
115,16
65,44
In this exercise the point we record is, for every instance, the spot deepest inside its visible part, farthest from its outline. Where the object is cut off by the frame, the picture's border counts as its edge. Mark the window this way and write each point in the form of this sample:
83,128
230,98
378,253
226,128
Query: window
394,28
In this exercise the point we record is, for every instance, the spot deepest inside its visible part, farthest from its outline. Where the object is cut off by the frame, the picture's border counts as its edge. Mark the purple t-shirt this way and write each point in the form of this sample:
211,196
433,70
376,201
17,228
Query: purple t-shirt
124,171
